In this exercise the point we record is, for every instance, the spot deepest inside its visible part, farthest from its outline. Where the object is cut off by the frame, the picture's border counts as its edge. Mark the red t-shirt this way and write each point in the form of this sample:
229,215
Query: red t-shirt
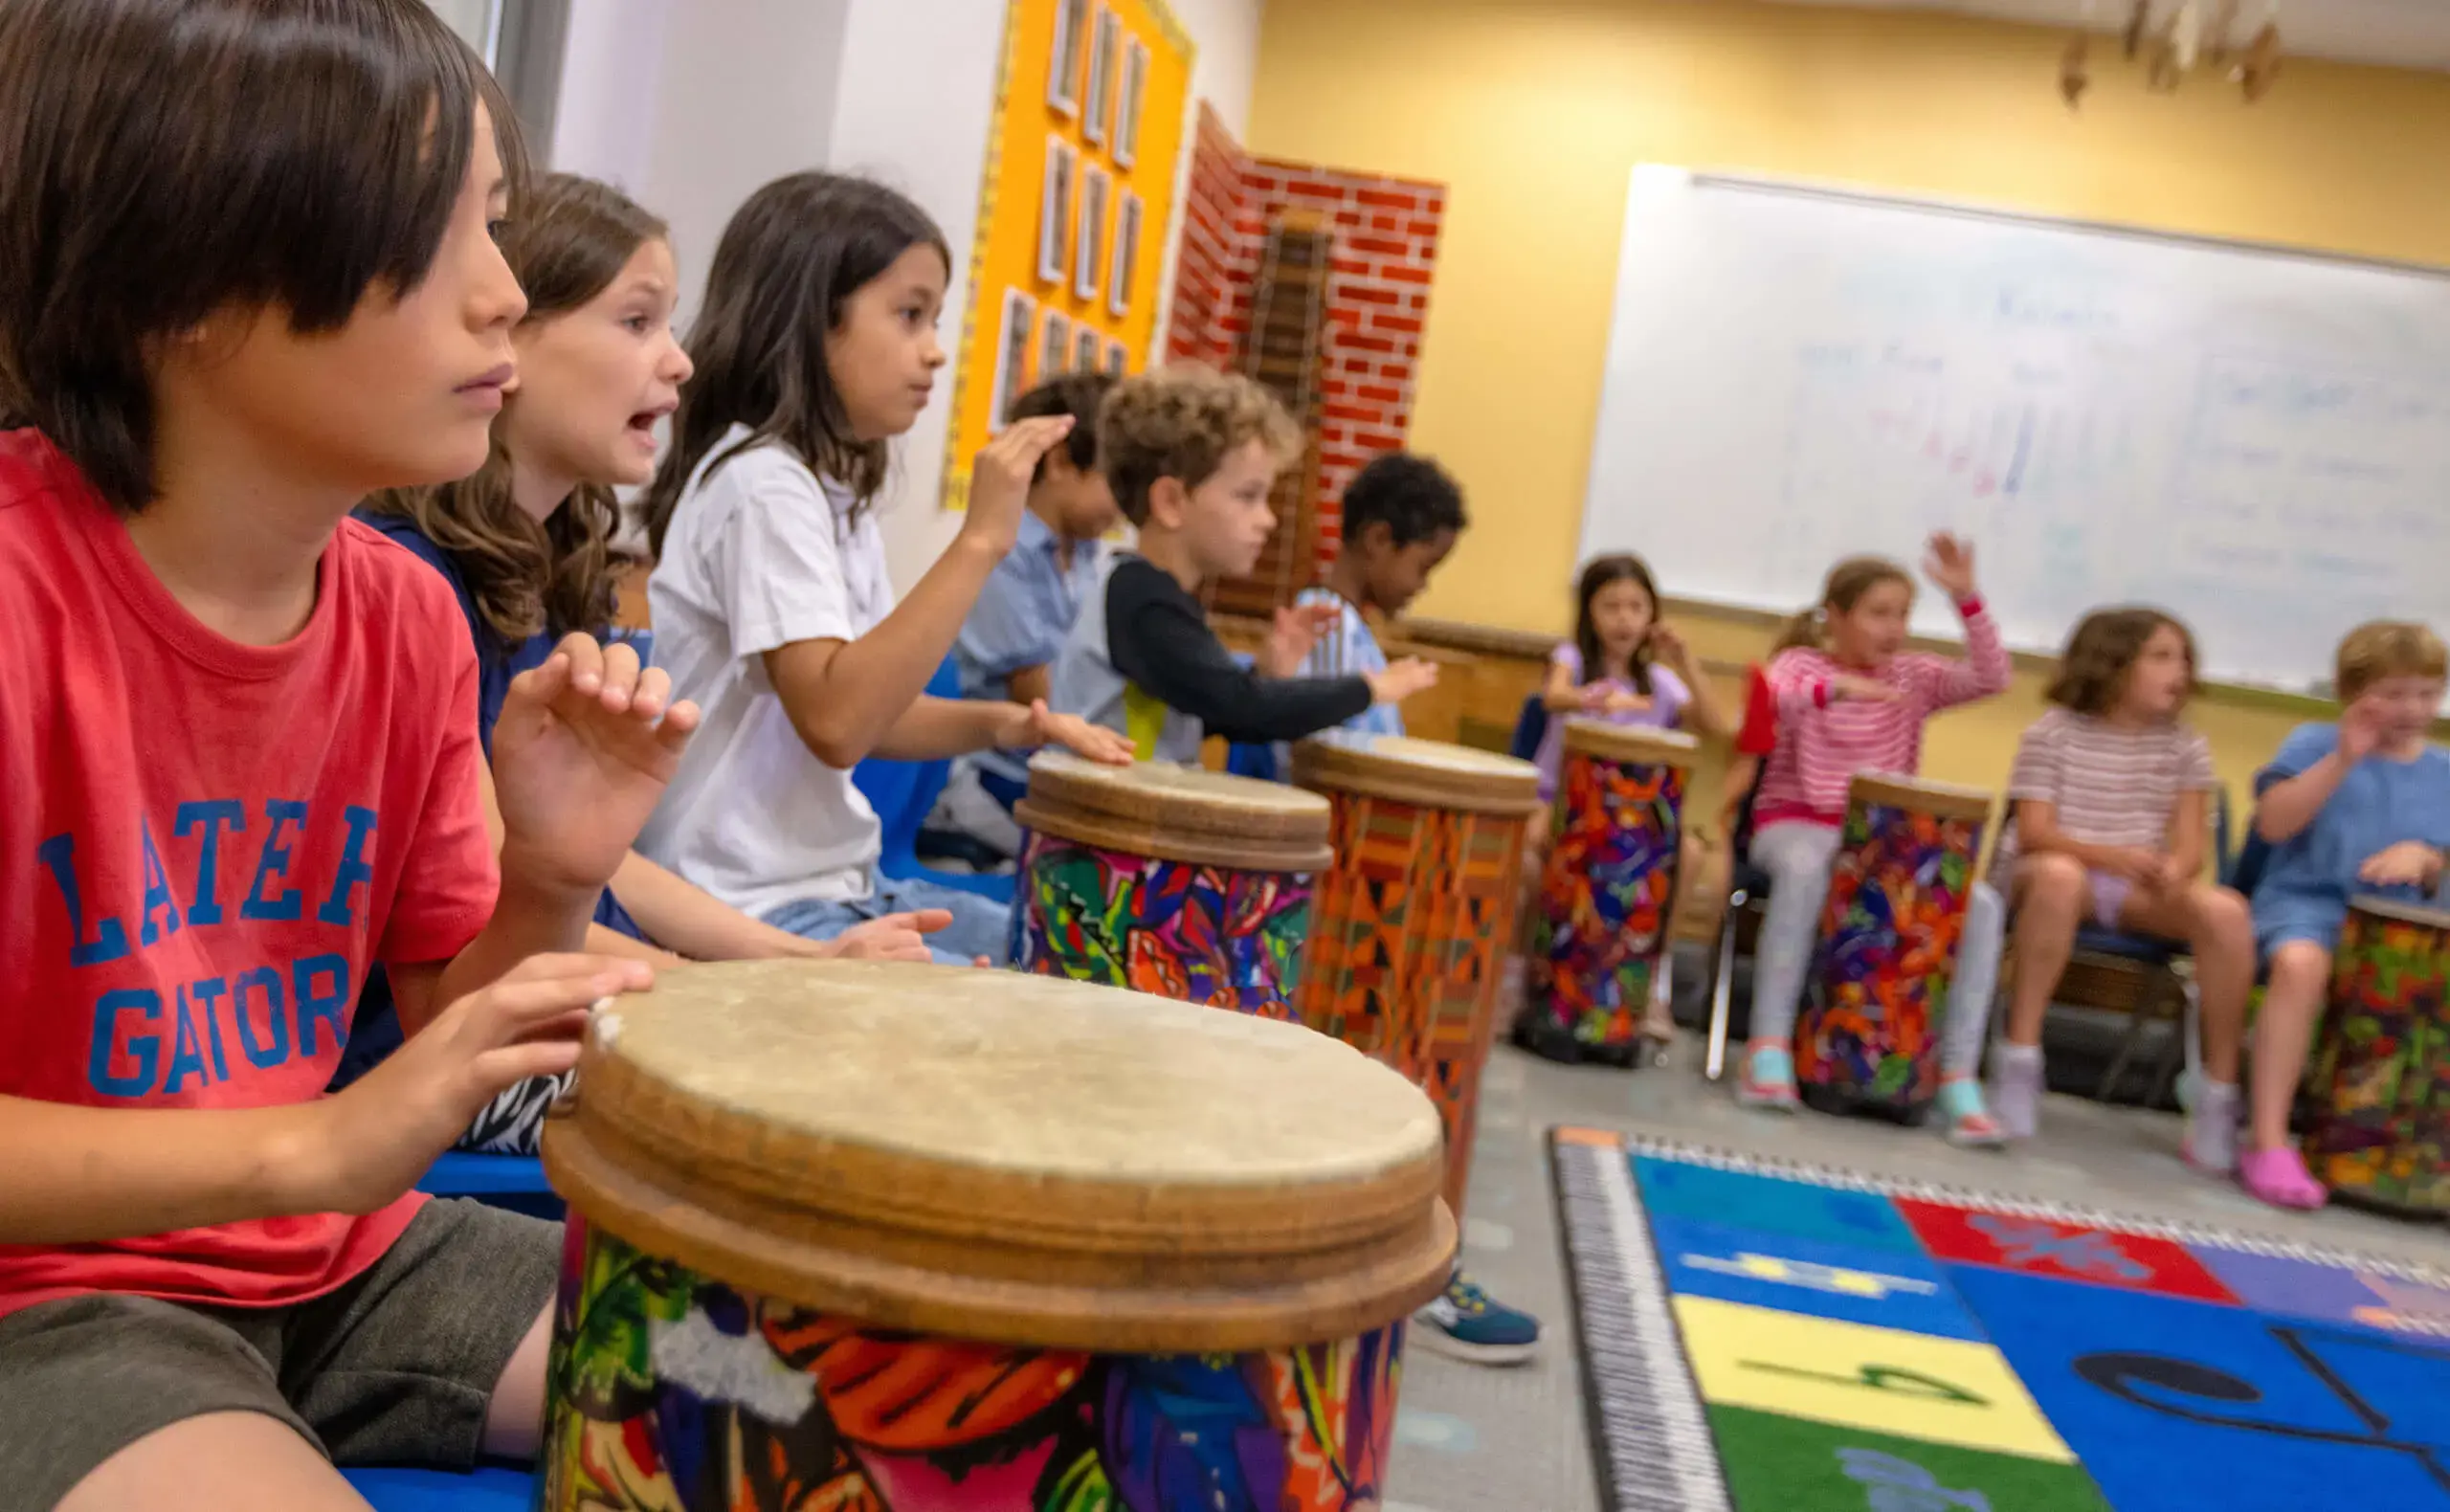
203,846
1759,736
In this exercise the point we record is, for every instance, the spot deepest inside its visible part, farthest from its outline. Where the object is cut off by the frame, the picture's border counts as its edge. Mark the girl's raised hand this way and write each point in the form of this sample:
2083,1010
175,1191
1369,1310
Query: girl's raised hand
1669,647
999,480
1948,562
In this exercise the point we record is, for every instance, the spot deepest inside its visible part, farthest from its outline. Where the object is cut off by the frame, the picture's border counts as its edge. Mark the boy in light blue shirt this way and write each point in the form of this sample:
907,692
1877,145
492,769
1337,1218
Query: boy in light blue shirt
2357,809
1007,647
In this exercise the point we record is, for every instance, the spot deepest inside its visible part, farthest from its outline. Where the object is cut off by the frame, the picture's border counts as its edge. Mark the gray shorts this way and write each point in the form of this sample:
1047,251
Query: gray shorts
397,1367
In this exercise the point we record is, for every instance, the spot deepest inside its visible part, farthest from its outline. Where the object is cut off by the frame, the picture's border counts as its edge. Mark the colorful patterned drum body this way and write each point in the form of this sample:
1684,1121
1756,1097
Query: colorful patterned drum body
1608,891
1415,917
1867,1035
1183,884
2380,1134
875,1237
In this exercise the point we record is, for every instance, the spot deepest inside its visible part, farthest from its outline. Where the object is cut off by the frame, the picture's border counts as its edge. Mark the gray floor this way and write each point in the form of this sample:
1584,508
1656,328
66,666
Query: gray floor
1473,1439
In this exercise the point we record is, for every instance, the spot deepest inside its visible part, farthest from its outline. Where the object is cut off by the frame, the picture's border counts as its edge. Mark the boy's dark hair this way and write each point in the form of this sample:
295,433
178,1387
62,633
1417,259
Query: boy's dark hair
1417,498
571,239
789,261
2092,671
1182,422
1078,395
1621,568
161,161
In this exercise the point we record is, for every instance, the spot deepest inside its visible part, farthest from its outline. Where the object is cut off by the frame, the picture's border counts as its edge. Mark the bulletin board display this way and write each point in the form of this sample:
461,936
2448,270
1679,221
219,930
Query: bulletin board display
1075,204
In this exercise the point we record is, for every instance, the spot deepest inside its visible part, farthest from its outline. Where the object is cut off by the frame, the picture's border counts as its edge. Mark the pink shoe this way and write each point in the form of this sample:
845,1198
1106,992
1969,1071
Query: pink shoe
2279,1177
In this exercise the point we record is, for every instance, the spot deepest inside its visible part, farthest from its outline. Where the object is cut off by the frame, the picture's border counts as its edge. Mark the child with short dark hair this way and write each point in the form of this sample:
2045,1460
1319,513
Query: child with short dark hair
1007,647
2360,807
2112,794
1402,515
238,732
1191,454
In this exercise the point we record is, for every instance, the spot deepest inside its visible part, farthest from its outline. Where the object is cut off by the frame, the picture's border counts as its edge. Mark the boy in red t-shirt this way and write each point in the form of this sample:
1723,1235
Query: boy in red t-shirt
237,736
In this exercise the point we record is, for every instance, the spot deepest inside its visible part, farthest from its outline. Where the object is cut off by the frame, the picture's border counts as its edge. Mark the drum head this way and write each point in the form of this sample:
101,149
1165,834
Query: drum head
1947,800
2397,912
1642,743
1431,774
1180,814
1006,1157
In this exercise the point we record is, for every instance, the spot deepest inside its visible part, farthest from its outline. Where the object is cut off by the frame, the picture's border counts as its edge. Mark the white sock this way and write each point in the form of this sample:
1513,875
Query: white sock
2211,1125
2024,1057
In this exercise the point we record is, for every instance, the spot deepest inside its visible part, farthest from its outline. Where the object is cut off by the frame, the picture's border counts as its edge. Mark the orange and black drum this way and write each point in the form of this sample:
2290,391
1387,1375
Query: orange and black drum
1412,919
1608,890
851,1234
2381,1132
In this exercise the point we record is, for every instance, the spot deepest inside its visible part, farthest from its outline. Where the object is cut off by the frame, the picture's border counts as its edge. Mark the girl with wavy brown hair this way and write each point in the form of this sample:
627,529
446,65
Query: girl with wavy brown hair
527,543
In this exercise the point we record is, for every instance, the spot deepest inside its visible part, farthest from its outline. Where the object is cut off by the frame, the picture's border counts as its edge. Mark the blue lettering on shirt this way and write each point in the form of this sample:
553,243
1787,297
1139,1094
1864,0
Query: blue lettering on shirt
352,870
205,906
273,865
157,893
110,940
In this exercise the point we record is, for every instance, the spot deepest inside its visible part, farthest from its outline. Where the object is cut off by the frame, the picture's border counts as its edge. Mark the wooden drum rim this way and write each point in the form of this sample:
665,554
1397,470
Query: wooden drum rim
1408,771
1944,800
2391,910
1641,744
825,1214
1162,814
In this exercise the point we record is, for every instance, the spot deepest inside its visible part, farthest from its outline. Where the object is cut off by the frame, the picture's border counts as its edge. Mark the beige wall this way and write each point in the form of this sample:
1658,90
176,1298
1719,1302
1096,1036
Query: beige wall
1535,111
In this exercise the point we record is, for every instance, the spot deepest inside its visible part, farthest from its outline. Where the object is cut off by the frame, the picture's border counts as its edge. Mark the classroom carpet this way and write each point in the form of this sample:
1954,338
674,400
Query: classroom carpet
1760,1334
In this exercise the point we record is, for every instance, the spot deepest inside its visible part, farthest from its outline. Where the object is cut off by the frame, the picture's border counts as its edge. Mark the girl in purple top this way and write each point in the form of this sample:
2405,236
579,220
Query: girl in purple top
1626,666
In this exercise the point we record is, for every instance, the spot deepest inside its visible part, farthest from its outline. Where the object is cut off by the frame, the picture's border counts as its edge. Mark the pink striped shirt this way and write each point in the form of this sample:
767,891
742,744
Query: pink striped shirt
1824,740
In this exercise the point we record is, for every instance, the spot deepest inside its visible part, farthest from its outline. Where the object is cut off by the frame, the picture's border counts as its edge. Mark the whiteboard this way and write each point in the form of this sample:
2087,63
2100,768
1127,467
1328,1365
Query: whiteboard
2256,440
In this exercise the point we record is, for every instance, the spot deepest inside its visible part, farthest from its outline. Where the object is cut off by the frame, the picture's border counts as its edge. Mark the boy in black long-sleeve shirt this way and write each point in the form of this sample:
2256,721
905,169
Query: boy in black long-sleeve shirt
1192,455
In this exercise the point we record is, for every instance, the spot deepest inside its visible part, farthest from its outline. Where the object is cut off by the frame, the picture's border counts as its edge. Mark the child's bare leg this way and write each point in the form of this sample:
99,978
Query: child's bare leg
222,1459
2218,928
2300,977
515,1418
2052,893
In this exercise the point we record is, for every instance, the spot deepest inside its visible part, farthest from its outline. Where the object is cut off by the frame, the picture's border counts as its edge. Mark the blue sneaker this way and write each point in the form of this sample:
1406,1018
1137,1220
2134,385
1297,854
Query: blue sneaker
1463,1323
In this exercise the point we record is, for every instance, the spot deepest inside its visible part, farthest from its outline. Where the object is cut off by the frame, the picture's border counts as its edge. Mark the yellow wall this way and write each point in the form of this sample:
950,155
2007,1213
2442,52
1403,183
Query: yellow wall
1535,111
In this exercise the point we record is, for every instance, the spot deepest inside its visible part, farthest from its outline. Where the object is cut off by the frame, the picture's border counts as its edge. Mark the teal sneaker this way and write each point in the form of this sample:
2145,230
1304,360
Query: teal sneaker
1465,1323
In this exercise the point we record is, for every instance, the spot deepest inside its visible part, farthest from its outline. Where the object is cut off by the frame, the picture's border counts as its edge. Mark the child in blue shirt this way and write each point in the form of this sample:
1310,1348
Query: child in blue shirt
2357,809
1008,645
1402,515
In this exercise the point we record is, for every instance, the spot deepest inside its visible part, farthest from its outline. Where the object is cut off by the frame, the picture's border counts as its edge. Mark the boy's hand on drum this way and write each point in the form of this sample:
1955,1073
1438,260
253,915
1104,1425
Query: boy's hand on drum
1040,725
1948,562
1297,630
894,937
581,751
999,480
379,1136
1402,680
2410,863
1847,688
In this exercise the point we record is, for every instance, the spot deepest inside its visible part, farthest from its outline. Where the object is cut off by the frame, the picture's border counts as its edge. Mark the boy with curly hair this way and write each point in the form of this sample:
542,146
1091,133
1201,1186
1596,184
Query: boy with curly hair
1192,455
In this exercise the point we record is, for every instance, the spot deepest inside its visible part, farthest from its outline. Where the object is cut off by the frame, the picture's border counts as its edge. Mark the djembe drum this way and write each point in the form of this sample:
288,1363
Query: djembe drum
1867,1033
2381,1132
1608,890
1186,884
1414,919
863,1236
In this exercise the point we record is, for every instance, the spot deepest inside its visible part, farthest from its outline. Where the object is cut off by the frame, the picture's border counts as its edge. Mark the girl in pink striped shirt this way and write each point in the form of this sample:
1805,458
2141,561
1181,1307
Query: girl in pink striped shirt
1851,698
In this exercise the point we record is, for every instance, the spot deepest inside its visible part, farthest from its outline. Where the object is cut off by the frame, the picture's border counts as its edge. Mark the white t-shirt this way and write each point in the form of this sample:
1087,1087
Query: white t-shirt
761,554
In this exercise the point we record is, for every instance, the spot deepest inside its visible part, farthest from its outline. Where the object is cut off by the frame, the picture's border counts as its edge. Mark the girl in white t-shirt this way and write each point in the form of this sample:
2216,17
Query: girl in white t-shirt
815,346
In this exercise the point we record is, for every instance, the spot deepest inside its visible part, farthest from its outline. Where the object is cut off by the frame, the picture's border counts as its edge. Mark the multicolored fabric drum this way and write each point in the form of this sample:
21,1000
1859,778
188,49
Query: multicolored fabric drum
1183,884
1415,916
1867,1034
866,1237
1608,891
2380,1133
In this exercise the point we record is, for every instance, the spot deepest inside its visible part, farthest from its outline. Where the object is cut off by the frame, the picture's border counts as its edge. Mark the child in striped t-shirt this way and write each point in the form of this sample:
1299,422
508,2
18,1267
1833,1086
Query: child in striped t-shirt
2113,818
1851,698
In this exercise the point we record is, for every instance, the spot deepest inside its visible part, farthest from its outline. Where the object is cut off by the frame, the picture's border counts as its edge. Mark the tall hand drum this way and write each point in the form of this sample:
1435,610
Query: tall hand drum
1867,1035
1608,891
1183,884
1417,913
2380,1133
849,1234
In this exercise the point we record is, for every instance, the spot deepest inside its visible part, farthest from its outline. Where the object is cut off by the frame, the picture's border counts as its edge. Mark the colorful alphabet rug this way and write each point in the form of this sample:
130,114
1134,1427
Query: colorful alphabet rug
1759,1336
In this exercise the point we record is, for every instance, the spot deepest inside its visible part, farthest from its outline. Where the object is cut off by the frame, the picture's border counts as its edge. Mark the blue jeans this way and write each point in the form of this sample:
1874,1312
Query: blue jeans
981,926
